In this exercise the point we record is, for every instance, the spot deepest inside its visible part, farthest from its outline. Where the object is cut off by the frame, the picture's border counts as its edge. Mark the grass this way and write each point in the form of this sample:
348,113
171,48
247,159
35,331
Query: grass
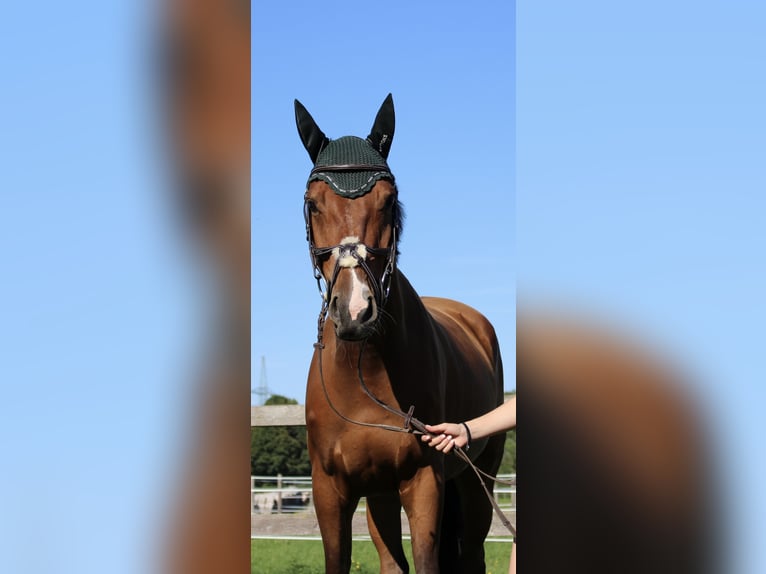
307,557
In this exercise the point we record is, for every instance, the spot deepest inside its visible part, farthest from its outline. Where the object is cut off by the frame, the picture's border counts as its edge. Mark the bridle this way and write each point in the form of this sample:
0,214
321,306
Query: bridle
358,251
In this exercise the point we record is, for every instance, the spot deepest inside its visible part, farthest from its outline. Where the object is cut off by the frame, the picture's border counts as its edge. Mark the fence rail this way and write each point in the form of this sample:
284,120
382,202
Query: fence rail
289,494
277,416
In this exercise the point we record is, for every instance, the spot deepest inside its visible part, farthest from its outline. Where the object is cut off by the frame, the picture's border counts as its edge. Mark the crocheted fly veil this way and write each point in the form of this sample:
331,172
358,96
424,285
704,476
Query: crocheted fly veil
349,165
354,180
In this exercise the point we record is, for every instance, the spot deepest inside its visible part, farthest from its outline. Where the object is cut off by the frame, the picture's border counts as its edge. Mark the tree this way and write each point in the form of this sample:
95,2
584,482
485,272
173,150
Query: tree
508,464
279,450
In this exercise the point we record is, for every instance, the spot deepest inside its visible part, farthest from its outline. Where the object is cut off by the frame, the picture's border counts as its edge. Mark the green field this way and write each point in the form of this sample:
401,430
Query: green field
306,557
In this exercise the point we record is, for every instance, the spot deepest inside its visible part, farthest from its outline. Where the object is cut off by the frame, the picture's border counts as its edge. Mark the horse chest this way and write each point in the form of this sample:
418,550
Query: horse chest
370,456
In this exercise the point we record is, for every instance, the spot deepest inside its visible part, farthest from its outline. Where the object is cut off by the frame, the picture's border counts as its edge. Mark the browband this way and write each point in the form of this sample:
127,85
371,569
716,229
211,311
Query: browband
349,167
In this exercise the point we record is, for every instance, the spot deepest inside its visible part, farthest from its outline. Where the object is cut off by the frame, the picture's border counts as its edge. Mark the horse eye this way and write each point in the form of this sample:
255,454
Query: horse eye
312,206
390,200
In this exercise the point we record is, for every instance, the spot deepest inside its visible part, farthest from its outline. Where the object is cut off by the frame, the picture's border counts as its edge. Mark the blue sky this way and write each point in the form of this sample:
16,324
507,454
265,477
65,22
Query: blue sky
451,72
603,155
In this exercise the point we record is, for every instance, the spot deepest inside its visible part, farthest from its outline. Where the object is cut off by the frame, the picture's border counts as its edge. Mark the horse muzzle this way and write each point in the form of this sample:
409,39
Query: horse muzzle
353,308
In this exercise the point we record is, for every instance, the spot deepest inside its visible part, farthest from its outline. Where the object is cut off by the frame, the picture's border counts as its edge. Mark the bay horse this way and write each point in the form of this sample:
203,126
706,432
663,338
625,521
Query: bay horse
386,350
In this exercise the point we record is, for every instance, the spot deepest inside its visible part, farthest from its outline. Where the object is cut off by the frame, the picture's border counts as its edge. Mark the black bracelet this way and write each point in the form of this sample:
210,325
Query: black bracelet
468,432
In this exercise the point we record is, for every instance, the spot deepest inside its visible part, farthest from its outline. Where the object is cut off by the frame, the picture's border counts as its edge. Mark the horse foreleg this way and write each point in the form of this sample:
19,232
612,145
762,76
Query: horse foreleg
384,519
451,531
475,521
476,509
422,500
334,509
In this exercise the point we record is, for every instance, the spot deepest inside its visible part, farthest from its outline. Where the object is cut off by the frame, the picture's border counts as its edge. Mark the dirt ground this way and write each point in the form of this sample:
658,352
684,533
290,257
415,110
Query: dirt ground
304,523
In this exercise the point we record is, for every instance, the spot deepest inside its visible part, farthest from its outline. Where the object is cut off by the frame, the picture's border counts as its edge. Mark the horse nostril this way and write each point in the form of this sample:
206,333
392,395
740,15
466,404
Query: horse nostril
367,314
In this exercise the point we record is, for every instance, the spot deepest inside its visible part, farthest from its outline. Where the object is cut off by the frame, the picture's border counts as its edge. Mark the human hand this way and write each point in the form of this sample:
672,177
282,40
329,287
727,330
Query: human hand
443,437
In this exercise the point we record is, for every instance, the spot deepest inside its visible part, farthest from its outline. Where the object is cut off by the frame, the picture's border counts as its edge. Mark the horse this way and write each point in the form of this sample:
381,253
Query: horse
384,350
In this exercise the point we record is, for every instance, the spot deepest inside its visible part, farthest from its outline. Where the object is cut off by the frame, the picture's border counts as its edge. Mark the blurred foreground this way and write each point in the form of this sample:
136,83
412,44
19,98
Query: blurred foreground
616,472
208,100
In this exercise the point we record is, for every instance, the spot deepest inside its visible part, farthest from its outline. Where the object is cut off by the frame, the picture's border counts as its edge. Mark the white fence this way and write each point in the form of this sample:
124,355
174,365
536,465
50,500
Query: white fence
288,494
279,495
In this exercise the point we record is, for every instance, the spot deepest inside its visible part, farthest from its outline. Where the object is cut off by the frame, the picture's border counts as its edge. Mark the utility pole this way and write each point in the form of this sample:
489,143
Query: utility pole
262,390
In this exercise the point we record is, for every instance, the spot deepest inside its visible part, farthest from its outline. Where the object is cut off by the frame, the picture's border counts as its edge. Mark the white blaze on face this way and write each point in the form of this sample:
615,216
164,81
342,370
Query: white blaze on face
360,292
357,301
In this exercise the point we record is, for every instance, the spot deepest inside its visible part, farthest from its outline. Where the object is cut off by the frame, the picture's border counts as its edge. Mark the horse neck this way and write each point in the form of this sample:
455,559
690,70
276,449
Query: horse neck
406,322
403,343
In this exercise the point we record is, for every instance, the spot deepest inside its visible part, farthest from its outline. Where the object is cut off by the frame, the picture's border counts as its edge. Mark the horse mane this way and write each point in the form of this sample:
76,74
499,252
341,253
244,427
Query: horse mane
398,217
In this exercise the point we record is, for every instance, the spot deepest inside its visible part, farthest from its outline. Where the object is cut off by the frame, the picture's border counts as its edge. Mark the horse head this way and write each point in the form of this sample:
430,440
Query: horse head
353,220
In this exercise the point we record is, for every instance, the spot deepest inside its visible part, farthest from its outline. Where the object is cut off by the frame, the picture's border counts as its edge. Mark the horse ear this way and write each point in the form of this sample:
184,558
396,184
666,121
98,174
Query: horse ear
383,129
312,137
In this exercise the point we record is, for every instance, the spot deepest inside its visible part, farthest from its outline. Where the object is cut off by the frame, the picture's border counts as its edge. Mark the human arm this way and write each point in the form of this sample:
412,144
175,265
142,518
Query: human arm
444,436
